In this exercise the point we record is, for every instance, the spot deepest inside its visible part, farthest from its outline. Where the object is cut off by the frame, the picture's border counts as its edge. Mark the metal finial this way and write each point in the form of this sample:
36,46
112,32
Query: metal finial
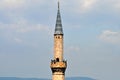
58,4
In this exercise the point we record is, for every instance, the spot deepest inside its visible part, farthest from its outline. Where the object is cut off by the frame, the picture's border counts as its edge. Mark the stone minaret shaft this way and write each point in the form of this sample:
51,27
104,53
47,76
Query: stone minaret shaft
58,64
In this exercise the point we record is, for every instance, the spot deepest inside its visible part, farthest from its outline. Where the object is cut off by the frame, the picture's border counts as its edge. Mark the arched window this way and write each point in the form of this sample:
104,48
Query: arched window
57,59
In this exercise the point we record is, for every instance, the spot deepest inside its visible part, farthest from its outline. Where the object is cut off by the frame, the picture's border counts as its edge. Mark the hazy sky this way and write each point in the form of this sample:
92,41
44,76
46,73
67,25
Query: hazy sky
91,37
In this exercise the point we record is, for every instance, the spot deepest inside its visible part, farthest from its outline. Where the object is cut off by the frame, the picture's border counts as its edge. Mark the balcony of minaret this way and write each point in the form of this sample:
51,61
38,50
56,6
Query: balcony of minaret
58,66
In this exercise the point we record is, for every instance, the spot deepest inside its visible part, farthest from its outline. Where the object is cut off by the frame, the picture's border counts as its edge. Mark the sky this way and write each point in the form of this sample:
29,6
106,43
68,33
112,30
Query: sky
91,38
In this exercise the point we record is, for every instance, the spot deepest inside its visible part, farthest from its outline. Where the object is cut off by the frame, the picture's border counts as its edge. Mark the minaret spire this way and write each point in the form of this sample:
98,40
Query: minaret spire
58,64
58,26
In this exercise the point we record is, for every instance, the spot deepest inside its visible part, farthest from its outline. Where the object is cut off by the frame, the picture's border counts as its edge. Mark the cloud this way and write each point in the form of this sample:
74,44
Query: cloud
110,37
12,4
73,49
16,4
80,6
18,40
116,5
87,4
32,27
20,32
12,11
23,27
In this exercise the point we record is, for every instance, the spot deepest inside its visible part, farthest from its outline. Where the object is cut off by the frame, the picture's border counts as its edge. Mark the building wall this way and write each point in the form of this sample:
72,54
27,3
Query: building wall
58,77
58,47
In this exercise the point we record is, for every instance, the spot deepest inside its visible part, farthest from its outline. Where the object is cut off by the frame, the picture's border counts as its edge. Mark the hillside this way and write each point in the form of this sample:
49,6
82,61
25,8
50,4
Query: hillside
70,78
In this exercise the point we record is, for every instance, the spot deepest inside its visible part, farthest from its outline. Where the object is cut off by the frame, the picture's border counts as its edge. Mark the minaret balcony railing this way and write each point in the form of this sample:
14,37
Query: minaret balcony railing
58,64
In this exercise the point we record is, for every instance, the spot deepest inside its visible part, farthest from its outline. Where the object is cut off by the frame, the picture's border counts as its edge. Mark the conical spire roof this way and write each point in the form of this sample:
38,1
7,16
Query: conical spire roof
58,26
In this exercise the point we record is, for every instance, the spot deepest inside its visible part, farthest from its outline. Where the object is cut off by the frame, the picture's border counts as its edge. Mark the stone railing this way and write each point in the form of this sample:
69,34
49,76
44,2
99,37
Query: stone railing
60,64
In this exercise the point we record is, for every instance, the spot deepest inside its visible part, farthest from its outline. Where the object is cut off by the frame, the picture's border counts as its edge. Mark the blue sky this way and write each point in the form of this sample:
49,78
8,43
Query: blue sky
91,37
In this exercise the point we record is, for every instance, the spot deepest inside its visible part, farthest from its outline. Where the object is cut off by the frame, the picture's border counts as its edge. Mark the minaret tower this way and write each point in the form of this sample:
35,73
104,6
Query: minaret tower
58,64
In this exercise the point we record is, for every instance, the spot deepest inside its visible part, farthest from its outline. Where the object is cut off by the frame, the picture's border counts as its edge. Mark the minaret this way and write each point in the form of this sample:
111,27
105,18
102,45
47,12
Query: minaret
58,64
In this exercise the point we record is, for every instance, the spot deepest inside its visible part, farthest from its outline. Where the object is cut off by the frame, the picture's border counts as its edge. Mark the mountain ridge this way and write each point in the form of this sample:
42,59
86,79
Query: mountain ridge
68,78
